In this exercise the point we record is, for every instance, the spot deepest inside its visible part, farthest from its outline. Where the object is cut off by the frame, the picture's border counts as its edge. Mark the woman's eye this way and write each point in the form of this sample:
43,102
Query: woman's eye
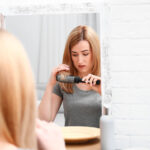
85,54
75,55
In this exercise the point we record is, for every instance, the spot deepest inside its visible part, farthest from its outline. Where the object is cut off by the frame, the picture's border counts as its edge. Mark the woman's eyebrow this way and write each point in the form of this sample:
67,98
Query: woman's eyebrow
81,51
73,51
85,50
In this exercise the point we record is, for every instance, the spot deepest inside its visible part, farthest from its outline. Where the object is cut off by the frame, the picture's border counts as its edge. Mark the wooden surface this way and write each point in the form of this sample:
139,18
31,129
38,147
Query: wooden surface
90,145
79,134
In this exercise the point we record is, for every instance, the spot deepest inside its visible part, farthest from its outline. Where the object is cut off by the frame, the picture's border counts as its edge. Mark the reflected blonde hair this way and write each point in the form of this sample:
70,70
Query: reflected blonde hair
78,34
17,94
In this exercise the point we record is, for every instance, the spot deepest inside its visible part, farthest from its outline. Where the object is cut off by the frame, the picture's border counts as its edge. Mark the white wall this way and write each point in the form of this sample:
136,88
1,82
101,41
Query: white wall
130,71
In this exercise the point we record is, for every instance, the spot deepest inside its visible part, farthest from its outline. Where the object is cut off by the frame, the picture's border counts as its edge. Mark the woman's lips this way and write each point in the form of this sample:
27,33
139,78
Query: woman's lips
81,66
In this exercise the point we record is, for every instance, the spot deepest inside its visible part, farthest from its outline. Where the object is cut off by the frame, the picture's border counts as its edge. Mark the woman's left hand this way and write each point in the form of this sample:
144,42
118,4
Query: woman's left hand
91,80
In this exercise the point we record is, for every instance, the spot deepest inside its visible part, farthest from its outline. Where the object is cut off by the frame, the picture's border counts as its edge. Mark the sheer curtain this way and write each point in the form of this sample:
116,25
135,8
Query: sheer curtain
44,38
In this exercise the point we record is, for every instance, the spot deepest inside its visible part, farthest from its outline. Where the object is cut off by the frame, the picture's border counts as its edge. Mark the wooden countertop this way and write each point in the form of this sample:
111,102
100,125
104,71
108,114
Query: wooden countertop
90,145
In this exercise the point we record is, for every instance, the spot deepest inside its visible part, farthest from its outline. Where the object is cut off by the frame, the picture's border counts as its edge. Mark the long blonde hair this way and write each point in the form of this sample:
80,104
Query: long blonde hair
78,34
17,94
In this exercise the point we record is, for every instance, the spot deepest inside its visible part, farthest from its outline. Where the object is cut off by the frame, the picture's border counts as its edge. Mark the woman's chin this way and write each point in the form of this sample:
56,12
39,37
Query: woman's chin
83,73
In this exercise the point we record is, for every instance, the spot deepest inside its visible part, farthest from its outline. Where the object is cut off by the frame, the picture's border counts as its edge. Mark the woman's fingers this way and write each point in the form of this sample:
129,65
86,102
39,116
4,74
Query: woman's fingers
86,78
94,81
91,79
62,67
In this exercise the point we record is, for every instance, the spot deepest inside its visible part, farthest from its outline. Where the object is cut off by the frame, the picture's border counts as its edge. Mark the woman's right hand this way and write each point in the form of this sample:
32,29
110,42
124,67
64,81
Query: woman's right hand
49,136
61,67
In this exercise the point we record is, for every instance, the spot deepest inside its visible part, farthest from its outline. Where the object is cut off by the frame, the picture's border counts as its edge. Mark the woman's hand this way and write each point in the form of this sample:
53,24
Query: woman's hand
49,136
91,80
61,67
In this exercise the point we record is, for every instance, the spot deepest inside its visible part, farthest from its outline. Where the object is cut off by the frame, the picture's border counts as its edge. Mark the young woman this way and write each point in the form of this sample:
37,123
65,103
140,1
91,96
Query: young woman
18,126
81,102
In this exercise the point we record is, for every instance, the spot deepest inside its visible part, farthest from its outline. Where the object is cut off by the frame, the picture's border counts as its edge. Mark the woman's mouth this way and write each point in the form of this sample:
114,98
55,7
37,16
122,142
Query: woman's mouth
81,66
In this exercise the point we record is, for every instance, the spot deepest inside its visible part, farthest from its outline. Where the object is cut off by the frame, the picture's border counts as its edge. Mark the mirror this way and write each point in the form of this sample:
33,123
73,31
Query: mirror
44,37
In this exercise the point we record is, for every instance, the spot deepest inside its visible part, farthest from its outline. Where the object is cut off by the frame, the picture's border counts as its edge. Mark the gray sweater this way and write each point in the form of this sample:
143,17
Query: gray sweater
82,108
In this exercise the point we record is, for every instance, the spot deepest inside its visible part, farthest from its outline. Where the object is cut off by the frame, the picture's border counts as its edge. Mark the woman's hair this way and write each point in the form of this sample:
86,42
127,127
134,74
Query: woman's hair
17,94
78,34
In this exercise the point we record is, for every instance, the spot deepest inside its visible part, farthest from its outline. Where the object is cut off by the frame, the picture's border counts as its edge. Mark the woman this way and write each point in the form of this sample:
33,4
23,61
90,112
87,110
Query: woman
81,102
18,126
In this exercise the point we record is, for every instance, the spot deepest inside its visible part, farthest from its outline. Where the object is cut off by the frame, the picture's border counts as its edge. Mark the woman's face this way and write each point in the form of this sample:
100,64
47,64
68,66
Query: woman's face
81,55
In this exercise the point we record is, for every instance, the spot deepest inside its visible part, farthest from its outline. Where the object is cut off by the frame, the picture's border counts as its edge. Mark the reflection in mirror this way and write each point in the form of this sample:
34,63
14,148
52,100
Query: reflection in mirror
44,38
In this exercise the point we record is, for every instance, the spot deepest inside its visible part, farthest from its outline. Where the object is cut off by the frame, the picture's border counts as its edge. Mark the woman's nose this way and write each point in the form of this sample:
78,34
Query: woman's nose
80,59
